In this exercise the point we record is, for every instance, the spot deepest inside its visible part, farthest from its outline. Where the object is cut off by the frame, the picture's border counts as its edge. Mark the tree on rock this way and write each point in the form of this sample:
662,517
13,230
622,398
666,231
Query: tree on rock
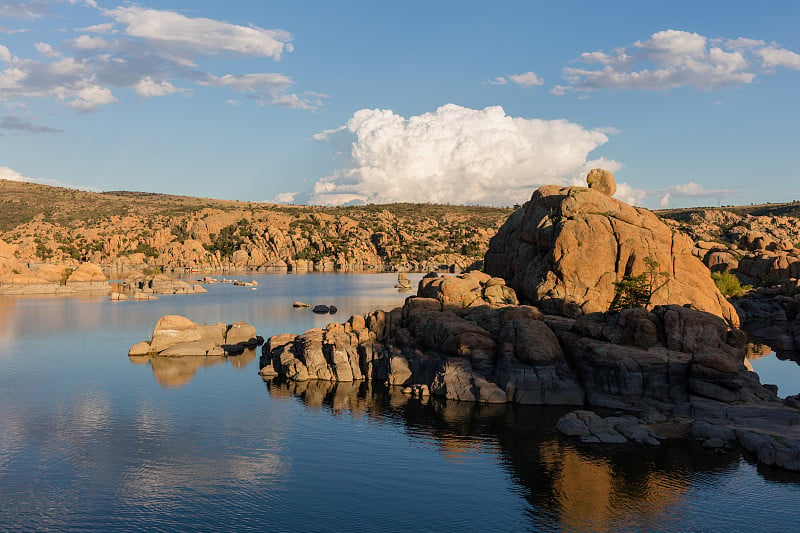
636,291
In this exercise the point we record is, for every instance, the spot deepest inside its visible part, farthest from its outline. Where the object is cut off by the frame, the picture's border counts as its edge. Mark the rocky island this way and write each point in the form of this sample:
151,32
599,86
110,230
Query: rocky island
674,367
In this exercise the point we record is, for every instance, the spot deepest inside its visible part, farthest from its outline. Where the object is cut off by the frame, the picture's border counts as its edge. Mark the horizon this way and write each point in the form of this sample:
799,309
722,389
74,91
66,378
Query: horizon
448,104
267,203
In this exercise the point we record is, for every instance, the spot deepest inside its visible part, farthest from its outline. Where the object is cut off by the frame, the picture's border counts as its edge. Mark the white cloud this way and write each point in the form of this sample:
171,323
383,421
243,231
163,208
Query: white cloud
285,198
499,80
742,42
147,87
46,50
693,191
87,42
266,88
11,31
202,34
106,27
249,82
671,58
609,130
454,155
528,79
23,10
88,3
153,52
67,80
630,195
7,173
779,57
689,189
91,96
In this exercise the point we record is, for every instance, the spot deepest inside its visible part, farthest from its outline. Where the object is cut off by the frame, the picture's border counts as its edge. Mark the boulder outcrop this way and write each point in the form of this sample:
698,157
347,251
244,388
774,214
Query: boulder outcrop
141,284
17,278
565,249
672,362
175,336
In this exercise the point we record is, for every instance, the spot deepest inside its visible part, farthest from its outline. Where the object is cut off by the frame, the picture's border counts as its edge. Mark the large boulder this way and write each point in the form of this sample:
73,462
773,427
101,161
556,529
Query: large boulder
87,273
602,181
566,247
175,335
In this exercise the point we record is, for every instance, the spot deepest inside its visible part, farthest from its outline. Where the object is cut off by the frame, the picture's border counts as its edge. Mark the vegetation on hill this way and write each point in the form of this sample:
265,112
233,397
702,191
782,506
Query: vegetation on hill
57,224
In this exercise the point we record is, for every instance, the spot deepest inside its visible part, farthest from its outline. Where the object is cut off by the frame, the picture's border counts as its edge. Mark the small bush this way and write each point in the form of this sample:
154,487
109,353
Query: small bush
729,285
65,274
637,291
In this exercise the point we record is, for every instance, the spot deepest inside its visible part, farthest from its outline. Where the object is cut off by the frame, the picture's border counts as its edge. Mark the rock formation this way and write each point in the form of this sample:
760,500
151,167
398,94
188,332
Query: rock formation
671,363
140,285
17,278
175,336
602,181
679,361
566,247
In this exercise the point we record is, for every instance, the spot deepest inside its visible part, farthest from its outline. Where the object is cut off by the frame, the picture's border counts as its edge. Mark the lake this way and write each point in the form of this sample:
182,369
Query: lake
91,440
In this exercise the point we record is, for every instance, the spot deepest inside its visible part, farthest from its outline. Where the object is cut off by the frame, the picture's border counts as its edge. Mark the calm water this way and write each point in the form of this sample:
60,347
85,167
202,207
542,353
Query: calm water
89,440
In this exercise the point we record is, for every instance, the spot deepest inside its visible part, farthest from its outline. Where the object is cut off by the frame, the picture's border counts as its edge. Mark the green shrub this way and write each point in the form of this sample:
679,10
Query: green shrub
729,285
65,274
636,291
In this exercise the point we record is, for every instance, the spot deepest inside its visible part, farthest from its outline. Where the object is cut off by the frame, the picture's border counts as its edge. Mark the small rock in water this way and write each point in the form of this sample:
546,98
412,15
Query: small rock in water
333,309
300,304
321,309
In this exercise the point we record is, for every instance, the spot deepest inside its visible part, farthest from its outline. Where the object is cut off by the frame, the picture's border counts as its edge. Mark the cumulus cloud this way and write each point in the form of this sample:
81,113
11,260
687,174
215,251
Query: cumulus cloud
528,79
285,198
629,194
149,52
454,155
10,122
671,58
7,173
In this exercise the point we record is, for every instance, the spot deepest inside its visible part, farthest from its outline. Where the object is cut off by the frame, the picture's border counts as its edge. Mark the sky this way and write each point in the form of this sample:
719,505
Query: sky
687,103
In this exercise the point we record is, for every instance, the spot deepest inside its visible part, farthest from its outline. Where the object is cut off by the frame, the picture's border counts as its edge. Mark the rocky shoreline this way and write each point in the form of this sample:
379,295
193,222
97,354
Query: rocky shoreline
672,367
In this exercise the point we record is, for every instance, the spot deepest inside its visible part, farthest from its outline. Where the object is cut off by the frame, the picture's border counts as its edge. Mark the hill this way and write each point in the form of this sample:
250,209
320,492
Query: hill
123,229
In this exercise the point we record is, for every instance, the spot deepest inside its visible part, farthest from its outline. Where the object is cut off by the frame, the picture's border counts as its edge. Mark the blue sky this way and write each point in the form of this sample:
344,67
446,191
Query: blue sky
689,103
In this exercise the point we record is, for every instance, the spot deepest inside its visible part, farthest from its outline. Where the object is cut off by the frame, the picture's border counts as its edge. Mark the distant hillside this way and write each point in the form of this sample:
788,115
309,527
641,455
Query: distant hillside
791,209
125,229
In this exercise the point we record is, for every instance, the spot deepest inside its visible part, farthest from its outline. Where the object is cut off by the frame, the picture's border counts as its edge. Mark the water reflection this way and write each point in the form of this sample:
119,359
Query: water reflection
175,372
570,486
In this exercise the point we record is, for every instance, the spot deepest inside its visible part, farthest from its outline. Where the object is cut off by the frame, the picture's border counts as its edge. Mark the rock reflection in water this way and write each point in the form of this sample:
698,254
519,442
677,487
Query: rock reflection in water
570,486
175,372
